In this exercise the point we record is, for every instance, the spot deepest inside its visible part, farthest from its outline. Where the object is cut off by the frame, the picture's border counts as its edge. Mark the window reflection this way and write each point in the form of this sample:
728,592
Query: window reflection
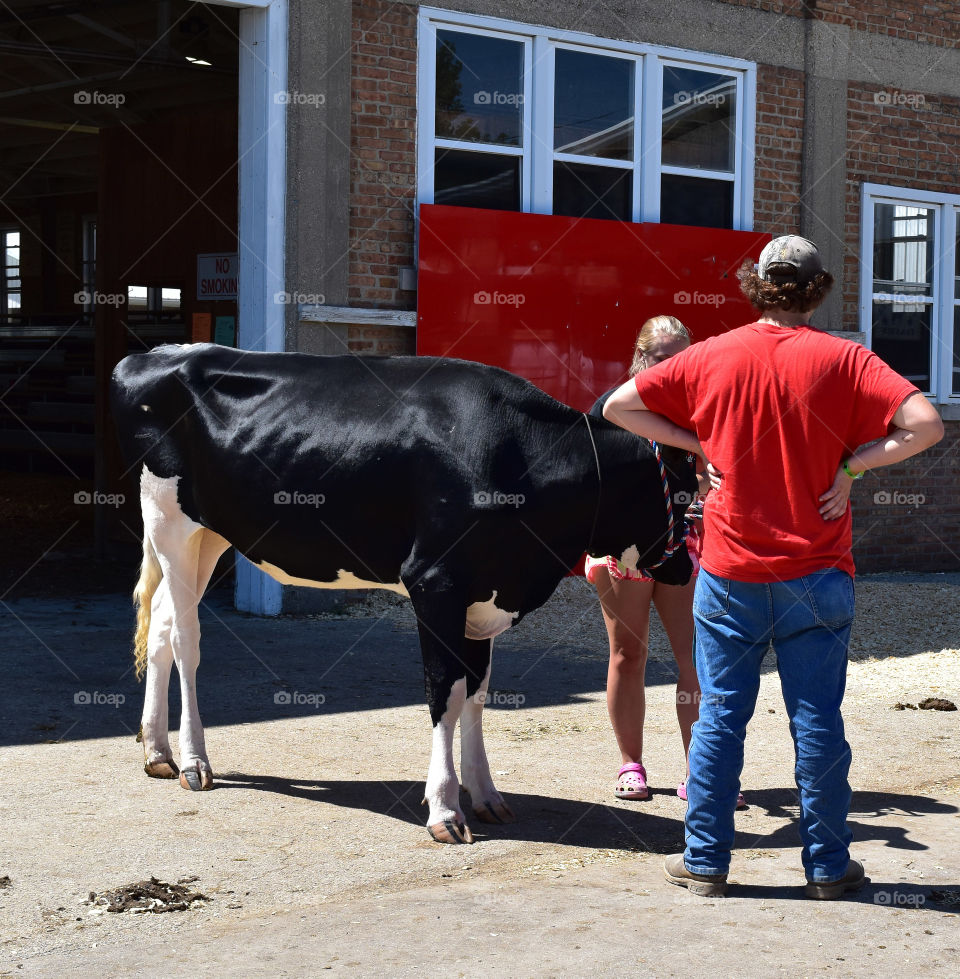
593,105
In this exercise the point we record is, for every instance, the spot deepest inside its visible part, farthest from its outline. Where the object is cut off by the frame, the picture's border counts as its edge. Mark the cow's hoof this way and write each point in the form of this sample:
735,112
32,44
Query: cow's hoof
450,831
162,768
196,779
494,812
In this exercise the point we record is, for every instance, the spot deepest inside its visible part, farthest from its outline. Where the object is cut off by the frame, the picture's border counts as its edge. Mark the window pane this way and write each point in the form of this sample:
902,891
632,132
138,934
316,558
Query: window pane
593,105
699,119
584,191
903,244
699,202
477,180
901,337
903,264
170,298
479,88
13,256
136,297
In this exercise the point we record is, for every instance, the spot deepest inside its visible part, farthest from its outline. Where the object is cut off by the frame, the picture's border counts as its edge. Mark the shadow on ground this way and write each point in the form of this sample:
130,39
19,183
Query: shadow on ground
68,669
553,819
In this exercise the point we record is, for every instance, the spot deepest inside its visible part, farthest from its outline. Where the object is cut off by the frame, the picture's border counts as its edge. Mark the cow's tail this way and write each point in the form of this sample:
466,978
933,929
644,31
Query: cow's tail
150,576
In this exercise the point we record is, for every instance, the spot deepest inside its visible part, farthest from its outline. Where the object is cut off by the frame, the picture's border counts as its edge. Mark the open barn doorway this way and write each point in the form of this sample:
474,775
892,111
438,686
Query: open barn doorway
119,168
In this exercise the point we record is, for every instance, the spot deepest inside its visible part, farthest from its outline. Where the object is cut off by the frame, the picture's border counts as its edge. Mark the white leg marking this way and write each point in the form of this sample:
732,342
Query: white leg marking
443,788
488,803
155,722
177,541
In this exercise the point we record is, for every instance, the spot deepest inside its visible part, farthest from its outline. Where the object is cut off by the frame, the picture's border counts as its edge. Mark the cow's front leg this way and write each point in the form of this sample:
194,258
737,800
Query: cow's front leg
446,822
488,804
441,618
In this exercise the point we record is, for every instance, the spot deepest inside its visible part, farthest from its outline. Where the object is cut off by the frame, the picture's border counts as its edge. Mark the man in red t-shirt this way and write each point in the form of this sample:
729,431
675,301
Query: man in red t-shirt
780,410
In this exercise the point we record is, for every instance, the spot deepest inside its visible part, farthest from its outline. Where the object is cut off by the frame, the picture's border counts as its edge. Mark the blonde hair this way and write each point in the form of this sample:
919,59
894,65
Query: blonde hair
656,326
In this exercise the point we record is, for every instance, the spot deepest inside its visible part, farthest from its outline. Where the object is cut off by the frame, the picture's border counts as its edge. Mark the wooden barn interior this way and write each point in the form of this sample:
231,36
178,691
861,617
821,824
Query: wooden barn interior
118,167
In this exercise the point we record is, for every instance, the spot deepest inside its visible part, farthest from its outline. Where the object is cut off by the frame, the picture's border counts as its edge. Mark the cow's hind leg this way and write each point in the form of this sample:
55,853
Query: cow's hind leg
488,805
187,554
154,726
205,548
194,567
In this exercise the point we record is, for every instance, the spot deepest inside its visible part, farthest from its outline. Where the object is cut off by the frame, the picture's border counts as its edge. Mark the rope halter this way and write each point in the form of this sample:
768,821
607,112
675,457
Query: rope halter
674,542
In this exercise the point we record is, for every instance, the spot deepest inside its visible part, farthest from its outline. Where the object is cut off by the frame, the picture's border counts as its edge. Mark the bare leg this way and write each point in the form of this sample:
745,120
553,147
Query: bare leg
626,612
674,605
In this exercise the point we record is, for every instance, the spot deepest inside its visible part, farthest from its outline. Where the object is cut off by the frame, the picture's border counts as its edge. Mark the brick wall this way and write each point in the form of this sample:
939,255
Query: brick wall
936,22
381,339
911,144
779,149
383,154
916,525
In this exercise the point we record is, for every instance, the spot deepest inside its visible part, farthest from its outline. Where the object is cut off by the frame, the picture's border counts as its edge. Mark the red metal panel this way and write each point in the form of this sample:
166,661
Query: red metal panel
560,300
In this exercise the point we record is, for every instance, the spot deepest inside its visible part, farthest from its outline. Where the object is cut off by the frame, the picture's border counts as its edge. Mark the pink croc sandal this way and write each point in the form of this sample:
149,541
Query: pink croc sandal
682,794
632,782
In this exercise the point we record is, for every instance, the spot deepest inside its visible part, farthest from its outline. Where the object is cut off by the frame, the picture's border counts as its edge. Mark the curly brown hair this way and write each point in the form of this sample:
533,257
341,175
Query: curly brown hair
793,297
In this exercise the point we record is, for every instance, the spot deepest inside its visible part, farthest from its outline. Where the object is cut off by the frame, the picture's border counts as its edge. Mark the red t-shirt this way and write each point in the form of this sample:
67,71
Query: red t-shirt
777,410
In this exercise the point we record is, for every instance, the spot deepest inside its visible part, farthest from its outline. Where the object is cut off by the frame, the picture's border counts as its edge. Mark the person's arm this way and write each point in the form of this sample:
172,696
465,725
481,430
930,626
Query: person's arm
624,408
917,426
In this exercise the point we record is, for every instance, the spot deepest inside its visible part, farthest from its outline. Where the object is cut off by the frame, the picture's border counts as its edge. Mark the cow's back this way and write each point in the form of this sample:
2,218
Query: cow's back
336,462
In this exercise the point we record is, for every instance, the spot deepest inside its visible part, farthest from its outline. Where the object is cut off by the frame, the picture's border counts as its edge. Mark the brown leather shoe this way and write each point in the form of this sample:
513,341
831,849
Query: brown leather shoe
852,880
703,885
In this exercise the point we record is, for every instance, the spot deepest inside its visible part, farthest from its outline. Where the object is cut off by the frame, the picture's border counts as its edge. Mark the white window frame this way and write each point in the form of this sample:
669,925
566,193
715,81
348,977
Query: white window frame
6,229
536,179
946,208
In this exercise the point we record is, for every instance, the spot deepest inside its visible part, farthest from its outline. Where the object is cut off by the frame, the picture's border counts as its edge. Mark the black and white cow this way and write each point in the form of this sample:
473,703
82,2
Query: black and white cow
458,484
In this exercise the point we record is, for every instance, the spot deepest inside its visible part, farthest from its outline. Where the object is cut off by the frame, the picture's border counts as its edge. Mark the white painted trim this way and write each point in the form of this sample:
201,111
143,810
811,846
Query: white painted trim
495,149
262,175
730,178
426,116
651,124
895,194
866,263
455,19
944,298
947,297
351,315
746,168
261,226
240,3
526,130
595,161
541,107
536,188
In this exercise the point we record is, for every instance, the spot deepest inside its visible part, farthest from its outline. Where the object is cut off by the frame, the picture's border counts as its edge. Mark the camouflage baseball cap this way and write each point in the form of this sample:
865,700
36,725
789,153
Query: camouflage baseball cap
789,259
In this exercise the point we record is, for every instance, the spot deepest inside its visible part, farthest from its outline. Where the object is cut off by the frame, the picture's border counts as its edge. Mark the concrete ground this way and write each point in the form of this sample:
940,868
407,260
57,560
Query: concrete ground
312,849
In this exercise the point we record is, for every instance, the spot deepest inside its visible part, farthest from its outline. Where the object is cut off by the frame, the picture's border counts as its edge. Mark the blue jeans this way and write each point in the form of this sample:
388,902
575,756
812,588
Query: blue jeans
807,620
